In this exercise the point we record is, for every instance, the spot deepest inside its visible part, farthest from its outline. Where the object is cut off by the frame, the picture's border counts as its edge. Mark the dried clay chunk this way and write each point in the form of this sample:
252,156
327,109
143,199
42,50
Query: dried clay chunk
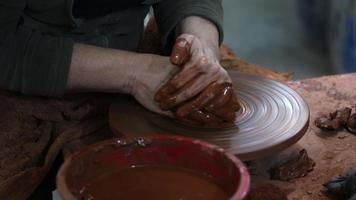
335,120
341,115
325,123
296,167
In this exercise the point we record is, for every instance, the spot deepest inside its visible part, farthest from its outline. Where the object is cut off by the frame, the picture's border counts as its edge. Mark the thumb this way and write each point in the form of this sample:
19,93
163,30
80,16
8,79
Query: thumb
181,51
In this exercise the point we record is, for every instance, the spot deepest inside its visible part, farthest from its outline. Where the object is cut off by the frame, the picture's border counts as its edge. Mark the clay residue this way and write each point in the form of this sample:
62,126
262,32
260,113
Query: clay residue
216,104
266,191
311,85
335,91
33,131
296,167
337,95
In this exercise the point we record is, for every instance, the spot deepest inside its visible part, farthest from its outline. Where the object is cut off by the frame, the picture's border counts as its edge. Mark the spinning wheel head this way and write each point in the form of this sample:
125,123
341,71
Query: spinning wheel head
272,117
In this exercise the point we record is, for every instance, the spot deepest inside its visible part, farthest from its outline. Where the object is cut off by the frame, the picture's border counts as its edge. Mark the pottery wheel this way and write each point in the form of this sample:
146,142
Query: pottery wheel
272,118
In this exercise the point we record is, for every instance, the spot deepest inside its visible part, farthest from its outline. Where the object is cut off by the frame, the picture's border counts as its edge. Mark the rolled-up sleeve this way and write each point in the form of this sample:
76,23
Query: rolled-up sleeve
31,62
169,13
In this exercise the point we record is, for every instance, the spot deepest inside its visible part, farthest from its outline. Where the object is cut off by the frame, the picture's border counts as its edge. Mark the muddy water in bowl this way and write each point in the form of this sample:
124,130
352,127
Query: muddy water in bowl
163,167
154,183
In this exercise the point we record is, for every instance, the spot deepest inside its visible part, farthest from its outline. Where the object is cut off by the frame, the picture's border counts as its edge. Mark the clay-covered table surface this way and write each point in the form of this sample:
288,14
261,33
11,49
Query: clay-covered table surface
333,152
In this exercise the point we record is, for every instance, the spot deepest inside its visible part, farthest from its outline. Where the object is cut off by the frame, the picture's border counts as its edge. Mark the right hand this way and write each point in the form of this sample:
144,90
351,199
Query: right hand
200,67
218,99
216,104
208,96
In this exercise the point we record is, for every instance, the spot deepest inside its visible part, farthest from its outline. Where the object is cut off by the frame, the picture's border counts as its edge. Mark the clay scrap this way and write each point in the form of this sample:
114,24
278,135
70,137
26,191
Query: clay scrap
338,120
294,168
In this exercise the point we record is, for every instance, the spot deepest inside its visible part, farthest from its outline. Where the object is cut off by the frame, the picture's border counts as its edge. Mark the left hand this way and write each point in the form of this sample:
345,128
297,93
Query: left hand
201,68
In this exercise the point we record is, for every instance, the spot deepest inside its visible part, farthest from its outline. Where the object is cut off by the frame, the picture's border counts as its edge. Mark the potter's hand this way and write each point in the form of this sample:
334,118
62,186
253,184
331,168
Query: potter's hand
154,72
214,99
110,70
197,51
201,68
201,91
216,104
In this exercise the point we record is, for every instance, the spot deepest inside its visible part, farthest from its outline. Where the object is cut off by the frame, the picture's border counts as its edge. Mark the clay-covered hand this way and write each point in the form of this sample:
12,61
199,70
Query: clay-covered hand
201,91
201,68
154,72
216,104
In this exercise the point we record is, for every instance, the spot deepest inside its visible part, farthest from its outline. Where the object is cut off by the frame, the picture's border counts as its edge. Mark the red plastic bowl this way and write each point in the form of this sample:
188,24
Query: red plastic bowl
227,170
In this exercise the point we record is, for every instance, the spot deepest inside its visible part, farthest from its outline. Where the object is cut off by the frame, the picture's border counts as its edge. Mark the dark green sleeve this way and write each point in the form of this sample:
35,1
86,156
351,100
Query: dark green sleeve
170,12
31,62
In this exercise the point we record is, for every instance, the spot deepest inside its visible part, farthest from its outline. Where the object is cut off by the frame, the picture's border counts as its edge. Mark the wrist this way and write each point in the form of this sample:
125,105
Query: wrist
193,25
147,67
138,65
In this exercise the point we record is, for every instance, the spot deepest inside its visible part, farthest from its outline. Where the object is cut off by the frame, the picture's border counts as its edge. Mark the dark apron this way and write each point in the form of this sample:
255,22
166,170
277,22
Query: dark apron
119,30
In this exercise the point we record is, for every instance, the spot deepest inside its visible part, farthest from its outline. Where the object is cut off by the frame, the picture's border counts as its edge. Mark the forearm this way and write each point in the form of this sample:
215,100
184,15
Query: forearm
102,69
202,29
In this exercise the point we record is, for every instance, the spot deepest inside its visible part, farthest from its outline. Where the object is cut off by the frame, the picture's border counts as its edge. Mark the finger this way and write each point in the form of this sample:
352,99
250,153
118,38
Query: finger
177,81
181,51
226,112
190,71
164,92
169,102
222,98
236,104
205,97
224,105
188,91
203,117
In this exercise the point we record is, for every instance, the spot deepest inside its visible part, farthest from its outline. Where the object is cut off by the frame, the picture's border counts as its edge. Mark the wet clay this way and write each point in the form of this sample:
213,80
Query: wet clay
153,183
216,104
296,167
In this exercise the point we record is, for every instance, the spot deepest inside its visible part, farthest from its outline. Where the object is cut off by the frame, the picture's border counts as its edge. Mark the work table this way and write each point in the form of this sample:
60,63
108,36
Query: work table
333,152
